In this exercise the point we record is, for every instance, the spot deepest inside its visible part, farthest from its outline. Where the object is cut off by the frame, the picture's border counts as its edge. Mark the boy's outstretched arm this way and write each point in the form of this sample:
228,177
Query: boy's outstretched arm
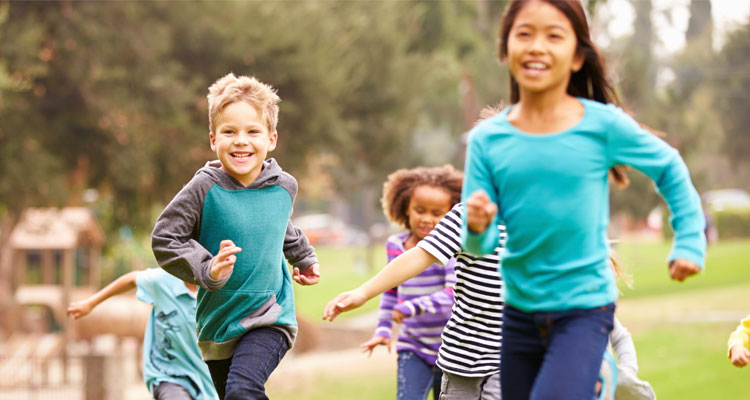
398,271
120,285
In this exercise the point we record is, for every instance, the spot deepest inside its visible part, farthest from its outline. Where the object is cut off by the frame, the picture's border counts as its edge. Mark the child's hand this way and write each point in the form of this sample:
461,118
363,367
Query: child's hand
369,346
309,276
479,211
398,316
344,302
223,263
739,355
78,309
680,269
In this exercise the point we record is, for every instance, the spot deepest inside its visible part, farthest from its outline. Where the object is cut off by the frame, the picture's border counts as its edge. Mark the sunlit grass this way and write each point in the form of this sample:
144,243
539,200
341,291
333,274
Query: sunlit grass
341,269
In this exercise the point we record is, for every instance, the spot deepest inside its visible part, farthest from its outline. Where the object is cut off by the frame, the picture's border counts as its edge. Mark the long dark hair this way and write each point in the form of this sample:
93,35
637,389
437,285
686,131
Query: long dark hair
590,81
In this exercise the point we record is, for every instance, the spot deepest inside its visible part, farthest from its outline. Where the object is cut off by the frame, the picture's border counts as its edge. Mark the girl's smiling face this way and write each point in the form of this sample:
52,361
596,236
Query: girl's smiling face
542,49
428,204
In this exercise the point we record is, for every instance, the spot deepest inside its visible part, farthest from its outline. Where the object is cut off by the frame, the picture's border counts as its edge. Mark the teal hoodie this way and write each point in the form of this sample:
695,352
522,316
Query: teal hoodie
213,207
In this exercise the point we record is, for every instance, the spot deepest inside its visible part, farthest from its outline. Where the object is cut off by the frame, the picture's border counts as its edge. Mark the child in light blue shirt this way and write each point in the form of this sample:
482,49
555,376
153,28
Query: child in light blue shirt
172,364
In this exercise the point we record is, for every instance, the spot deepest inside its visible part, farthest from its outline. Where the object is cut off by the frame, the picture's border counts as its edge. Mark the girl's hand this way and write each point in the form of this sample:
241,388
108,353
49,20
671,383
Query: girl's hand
680,269
223,263
344,302
369,345
479,211
309,276
739,355
398,316
78,309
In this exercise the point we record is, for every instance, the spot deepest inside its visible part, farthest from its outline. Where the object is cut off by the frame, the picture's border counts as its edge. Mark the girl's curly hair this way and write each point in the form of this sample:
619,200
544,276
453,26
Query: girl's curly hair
399,188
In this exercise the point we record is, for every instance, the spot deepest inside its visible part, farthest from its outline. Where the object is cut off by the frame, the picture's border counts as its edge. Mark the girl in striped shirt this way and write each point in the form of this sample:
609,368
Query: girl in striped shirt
469,356
417,199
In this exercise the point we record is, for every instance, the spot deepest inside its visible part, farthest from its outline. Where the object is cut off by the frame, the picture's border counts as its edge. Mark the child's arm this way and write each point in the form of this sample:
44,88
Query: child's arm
738,342
622,344
175,245
440,302
402,268
479,232
632,145
120,285
301,255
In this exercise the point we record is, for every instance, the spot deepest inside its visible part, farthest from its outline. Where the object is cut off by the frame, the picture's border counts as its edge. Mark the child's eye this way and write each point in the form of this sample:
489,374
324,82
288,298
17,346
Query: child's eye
228,132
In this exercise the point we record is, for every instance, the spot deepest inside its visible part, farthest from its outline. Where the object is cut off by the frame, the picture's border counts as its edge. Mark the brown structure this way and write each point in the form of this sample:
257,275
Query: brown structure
55,253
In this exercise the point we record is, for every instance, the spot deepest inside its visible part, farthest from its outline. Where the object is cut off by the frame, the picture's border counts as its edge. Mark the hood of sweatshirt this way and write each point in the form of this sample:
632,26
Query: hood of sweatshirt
269,176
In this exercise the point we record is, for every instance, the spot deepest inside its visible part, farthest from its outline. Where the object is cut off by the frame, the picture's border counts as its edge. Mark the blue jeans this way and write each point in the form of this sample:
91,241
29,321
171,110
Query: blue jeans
416,377
244,376
553,355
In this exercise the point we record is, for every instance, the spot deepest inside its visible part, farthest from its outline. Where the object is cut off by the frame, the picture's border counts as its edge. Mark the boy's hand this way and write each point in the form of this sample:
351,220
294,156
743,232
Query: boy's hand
369,345
398,316
344,302
479,211
309,276
78,309
680,269
223,263
739,355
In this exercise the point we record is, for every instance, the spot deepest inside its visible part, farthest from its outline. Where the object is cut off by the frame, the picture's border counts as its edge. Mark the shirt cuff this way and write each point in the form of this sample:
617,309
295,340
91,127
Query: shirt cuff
406,308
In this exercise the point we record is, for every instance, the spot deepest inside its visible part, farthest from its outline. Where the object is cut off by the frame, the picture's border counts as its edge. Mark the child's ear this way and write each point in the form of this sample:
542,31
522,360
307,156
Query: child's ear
577,63
212,140
272,137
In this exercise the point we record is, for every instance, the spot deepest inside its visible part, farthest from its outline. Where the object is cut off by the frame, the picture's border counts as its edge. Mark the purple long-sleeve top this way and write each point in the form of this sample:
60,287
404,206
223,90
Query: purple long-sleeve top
425,300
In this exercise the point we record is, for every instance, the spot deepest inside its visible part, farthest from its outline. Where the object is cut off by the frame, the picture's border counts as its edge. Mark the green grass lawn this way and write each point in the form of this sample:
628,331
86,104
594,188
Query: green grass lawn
328,387
727,263
341,269
681,359
688,361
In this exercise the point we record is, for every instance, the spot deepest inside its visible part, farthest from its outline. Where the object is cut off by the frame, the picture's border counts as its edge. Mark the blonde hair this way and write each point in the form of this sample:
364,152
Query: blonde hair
619,270
231,89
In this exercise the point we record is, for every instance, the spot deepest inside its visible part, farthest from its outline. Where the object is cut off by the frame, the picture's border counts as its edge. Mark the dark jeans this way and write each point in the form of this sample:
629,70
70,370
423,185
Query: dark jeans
244,376
416,377
553,355
171,391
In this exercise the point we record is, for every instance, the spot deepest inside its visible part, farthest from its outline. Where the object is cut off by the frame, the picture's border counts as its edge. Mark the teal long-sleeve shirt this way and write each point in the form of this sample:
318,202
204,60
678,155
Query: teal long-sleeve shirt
553,196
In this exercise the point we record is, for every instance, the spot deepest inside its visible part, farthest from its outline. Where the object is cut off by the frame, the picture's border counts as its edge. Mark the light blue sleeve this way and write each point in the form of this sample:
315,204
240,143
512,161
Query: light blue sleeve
477,176
630,144
147,284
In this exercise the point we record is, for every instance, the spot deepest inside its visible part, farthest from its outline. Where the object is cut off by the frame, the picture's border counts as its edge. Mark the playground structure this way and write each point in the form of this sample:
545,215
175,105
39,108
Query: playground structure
56,260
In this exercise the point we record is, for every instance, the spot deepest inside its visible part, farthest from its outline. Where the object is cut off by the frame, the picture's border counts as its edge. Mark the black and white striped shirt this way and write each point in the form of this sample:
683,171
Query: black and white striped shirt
471,339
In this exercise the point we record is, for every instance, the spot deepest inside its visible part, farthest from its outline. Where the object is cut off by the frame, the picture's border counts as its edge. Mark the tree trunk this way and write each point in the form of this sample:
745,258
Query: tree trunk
7,321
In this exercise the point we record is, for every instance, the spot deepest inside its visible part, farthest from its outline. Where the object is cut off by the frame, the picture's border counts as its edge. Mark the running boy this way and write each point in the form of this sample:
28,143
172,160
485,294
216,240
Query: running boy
228,230
172,365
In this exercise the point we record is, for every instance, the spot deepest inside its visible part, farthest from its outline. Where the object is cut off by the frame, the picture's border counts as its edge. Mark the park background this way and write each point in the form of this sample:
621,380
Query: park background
103,108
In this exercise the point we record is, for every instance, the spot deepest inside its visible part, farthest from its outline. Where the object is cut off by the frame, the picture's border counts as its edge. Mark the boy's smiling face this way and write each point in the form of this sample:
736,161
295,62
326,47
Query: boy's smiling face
241,141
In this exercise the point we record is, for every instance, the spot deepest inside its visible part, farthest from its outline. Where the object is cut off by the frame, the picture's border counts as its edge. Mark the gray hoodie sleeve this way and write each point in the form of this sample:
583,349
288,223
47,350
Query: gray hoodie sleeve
174,239
622,344
297,249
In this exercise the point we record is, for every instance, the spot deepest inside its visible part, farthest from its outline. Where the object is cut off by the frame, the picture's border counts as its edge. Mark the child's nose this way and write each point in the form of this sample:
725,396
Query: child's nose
537,44
241,139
